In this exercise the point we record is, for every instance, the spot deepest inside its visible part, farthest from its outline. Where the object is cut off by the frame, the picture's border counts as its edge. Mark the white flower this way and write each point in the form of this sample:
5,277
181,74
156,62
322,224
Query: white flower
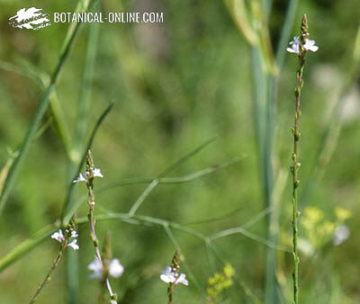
169,276
97,173
295,46
81,178
341,234
73,244
58,236
97,268
182,279
115,268
310,45
296,43
84,178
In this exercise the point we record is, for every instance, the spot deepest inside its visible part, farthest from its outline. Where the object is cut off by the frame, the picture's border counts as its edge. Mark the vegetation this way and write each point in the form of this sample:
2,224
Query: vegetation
190,122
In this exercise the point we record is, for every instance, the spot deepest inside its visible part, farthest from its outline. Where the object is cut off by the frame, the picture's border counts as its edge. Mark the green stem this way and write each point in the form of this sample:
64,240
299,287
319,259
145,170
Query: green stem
295,170
48,276
170,293
91,202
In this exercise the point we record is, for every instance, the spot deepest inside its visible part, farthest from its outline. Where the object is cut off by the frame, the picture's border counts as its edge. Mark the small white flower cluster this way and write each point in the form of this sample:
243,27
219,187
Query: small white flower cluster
84,178
171,276
114,267
72,242
296,43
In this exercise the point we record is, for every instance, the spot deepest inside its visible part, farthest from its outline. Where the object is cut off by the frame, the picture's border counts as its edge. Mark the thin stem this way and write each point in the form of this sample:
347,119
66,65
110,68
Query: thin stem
143,196
50,272
295,170
91,202
170,293
304,33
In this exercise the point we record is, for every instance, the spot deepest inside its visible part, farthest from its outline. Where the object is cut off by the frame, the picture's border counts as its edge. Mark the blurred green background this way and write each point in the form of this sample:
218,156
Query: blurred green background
174,86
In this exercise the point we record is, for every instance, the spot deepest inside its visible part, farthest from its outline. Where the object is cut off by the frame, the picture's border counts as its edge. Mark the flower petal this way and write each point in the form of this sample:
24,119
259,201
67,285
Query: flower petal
96,267
294,49
73,245
115,268
295,41
310,45
74,234
97,173
58,236
81,178
182,279
167,275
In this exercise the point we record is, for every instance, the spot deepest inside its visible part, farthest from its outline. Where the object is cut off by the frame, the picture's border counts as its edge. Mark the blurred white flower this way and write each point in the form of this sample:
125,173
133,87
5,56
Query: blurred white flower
295,46
169,276
115,268
306,247
74,234
84,178
73,244
96,266
58,236
310,45
341,234
81,178
97,173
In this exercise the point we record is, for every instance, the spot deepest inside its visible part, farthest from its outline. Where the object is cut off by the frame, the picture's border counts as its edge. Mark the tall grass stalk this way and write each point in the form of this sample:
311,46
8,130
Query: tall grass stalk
265,71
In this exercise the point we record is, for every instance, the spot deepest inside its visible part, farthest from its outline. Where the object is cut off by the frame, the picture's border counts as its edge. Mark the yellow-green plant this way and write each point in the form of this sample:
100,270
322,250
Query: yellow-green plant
319,231
220,282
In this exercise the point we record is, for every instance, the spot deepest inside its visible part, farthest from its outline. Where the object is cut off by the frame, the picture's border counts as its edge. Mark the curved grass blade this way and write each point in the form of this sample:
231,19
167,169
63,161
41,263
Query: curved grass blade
26,246
72,263
187,156
14,169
